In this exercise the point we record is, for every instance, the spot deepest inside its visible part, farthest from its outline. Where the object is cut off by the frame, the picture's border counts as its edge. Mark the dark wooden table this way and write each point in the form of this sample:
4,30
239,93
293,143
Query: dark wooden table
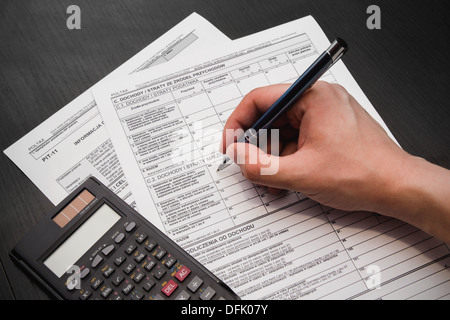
403,69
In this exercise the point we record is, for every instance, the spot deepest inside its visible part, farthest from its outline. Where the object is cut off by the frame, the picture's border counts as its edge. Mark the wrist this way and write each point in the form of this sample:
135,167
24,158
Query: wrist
402,189
393,181
417,194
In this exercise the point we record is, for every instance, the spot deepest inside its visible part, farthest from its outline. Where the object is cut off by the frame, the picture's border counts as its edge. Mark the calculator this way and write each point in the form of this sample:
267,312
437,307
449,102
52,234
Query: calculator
95,246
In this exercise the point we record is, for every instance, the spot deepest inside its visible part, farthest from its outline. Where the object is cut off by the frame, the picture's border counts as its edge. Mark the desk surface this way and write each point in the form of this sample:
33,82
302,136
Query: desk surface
402,68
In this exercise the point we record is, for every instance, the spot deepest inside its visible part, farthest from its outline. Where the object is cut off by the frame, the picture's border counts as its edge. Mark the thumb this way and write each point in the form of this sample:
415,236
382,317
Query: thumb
256,165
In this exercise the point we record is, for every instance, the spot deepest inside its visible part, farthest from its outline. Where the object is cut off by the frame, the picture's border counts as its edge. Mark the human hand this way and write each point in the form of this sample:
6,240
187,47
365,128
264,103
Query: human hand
334,152
331,149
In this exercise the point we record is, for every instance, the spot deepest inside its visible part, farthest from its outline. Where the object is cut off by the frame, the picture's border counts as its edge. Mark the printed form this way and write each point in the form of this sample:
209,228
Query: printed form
73,144
166,125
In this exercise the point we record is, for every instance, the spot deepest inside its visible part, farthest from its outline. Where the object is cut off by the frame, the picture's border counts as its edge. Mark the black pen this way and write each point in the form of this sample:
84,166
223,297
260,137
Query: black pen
325,61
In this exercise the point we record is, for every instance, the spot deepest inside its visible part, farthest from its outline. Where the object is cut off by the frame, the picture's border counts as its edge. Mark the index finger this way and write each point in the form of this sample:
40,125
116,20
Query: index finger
249,110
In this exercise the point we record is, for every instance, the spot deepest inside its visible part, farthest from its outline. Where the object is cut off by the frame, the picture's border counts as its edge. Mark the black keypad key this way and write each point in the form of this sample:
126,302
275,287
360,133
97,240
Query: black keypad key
150,245
85,294
138,276
96,282
170,261
136,294
119,260
126,289
140,237
130,248
107,271
117,279
159,272
105,291
160,253
149,265
128,268
148,284
140,256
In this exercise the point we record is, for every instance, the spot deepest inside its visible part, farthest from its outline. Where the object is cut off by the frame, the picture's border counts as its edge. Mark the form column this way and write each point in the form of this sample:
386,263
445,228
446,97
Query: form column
203,212
278,69
351,229
153,126
239,195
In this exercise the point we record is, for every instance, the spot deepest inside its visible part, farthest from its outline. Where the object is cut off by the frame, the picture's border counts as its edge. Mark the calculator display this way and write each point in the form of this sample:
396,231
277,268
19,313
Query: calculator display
82,240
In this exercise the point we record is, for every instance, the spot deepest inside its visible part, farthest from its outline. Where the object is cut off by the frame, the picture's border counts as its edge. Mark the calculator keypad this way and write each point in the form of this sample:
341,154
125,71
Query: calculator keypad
135,266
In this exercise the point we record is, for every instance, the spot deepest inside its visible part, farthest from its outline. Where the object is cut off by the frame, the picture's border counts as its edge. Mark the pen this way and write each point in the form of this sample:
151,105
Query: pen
325,61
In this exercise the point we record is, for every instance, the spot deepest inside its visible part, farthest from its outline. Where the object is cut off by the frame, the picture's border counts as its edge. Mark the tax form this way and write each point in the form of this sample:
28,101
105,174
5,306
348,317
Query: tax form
73,144
166,126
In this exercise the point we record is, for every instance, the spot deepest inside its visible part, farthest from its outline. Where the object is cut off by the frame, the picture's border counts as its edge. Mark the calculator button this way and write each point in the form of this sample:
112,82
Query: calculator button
138,276
182,273
140,256
96,261
170,261
140,237
149,264
130,226
150,245
119,260
119,238
208,294
84,273
108,250
169,288
158,273
107,271
137,295
160,253
183,296
96,282
105,291
195,284
117,279
127,288
128,268
130,249
85,294
148,284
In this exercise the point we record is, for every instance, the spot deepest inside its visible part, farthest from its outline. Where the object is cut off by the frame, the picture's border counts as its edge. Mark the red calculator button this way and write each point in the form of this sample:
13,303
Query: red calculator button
182,273
169,288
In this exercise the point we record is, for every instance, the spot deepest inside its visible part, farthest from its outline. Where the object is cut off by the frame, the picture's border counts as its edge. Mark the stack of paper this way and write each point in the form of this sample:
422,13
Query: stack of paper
150,131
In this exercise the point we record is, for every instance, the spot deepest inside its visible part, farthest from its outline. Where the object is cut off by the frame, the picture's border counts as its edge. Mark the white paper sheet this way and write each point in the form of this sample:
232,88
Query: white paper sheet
263,246
73,144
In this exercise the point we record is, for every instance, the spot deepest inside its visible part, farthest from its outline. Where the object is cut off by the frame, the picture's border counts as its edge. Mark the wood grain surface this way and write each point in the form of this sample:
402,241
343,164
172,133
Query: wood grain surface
403,69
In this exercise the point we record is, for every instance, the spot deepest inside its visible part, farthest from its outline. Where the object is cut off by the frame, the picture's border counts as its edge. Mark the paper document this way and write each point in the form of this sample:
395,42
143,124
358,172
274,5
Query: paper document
263,246
73,144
